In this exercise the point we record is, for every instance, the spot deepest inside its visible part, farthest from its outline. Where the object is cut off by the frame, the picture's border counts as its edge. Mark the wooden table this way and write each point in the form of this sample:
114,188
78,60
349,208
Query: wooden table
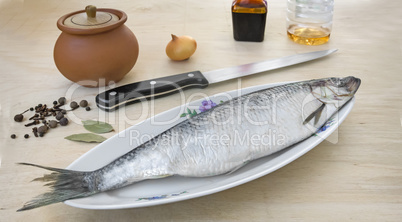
355,177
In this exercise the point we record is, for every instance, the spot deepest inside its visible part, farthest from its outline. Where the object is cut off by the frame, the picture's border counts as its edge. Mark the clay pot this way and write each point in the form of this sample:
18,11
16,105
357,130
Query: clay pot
95,50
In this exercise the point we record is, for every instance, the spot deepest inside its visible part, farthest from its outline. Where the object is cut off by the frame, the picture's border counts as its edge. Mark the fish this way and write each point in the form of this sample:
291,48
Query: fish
213,142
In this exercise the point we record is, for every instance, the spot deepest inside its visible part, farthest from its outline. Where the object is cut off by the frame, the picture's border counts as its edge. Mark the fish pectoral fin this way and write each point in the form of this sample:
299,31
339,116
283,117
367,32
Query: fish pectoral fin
316,114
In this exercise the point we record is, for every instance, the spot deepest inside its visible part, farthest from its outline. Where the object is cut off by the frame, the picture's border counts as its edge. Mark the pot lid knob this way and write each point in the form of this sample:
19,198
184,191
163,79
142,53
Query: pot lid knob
91,18
91,11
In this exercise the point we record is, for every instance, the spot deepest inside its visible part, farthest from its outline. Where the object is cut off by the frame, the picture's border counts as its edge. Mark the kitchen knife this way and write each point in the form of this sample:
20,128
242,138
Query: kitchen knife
112,99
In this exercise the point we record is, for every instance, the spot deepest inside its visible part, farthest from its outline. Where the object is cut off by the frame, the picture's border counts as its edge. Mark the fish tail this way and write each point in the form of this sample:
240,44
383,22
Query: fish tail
64,184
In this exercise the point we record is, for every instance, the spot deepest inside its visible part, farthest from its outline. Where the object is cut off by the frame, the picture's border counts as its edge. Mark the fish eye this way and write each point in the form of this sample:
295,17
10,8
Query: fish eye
338,82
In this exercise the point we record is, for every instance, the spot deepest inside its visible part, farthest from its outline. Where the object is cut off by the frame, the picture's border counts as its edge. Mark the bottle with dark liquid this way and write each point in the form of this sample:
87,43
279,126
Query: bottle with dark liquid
249,17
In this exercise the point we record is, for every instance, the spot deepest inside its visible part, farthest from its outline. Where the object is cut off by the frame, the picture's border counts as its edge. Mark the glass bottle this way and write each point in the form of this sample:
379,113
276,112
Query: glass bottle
249,18
309,22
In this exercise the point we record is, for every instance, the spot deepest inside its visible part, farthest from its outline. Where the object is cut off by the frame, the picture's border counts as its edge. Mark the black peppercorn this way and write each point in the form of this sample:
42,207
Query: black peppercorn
13,136
54,102
74,105
84,103
63,111
59,116
32,109
88,108
18,118
42,129
40,105
26,136
52,123
62,100
64,121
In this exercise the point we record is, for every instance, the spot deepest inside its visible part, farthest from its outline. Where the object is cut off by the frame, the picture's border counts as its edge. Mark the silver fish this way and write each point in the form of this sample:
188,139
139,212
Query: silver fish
213,142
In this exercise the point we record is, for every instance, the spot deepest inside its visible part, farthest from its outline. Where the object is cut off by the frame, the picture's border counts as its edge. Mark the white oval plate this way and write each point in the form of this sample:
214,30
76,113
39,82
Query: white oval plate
176,188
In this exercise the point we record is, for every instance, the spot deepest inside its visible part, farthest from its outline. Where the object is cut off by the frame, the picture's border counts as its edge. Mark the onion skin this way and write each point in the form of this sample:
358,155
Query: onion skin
181,48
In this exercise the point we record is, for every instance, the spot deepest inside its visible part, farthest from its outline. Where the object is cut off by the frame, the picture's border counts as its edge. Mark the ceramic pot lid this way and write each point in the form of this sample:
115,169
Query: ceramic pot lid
91,18
91,21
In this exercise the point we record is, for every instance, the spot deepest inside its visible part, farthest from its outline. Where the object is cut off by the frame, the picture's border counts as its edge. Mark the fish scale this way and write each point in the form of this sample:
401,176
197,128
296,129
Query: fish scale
220,140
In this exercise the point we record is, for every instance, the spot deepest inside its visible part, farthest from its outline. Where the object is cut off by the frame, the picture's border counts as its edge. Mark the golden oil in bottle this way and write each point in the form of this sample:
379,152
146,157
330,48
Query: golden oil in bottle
309,22
308,35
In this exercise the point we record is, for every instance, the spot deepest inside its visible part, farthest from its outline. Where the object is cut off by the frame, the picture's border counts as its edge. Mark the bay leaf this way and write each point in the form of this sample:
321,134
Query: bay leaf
97,126
86,137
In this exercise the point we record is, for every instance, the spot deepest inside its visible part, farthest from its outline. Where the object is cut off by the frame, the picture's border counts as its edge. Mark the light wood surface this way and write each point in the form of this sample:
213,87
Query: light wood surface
355,176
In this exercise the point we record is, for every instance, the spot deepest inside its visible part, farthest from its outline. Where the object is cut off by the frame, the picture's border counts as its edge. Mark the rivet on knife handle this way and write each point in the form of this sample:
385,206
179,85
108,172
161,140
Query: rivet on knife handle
113,99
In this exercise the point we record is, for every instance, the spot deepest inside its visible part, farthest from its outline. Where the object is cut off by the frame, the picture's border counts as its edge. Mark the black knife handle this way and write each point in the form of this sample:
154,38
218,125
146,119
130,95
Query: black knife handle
113,99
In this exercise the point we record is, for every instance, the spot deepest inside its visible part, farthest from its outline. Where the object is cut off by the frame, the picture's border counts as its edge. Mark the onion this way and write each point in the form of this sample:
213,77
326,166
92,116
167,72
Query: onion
181,48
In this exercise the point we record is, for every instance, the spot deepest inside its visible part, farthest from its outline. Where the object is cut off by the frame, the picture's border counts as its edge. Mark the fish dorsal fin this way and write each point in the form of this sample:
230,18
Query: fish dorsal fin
316,114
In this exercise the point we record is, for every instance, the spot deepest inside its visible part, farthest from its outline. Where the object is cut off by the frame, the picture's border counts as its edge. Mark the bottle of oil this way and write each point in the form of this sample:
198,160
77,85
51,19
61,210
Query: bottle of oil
249,17
309,22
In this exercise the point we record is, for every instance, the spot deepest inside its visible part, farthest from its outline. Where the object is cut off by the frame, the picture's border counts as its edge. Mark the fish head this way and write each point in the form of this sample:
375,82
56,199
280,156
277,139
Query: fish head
347,85
339,90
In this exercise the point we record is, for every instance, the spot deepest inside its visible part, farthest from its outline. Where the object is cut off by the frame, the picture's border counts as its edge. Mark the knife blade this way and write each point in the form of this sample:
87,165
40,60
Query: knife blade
113,99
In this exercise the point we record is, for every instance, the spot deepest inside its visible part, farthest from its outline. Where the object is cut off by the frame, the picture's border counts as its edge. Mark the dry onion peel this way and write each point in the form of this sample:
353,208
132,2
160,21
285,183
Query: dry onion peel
181,48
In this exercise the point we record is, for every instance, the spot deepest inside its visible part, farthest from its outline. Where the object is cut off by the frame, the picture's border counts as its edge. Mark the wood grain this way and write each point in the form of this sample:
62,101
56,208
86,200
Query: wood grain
357,176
